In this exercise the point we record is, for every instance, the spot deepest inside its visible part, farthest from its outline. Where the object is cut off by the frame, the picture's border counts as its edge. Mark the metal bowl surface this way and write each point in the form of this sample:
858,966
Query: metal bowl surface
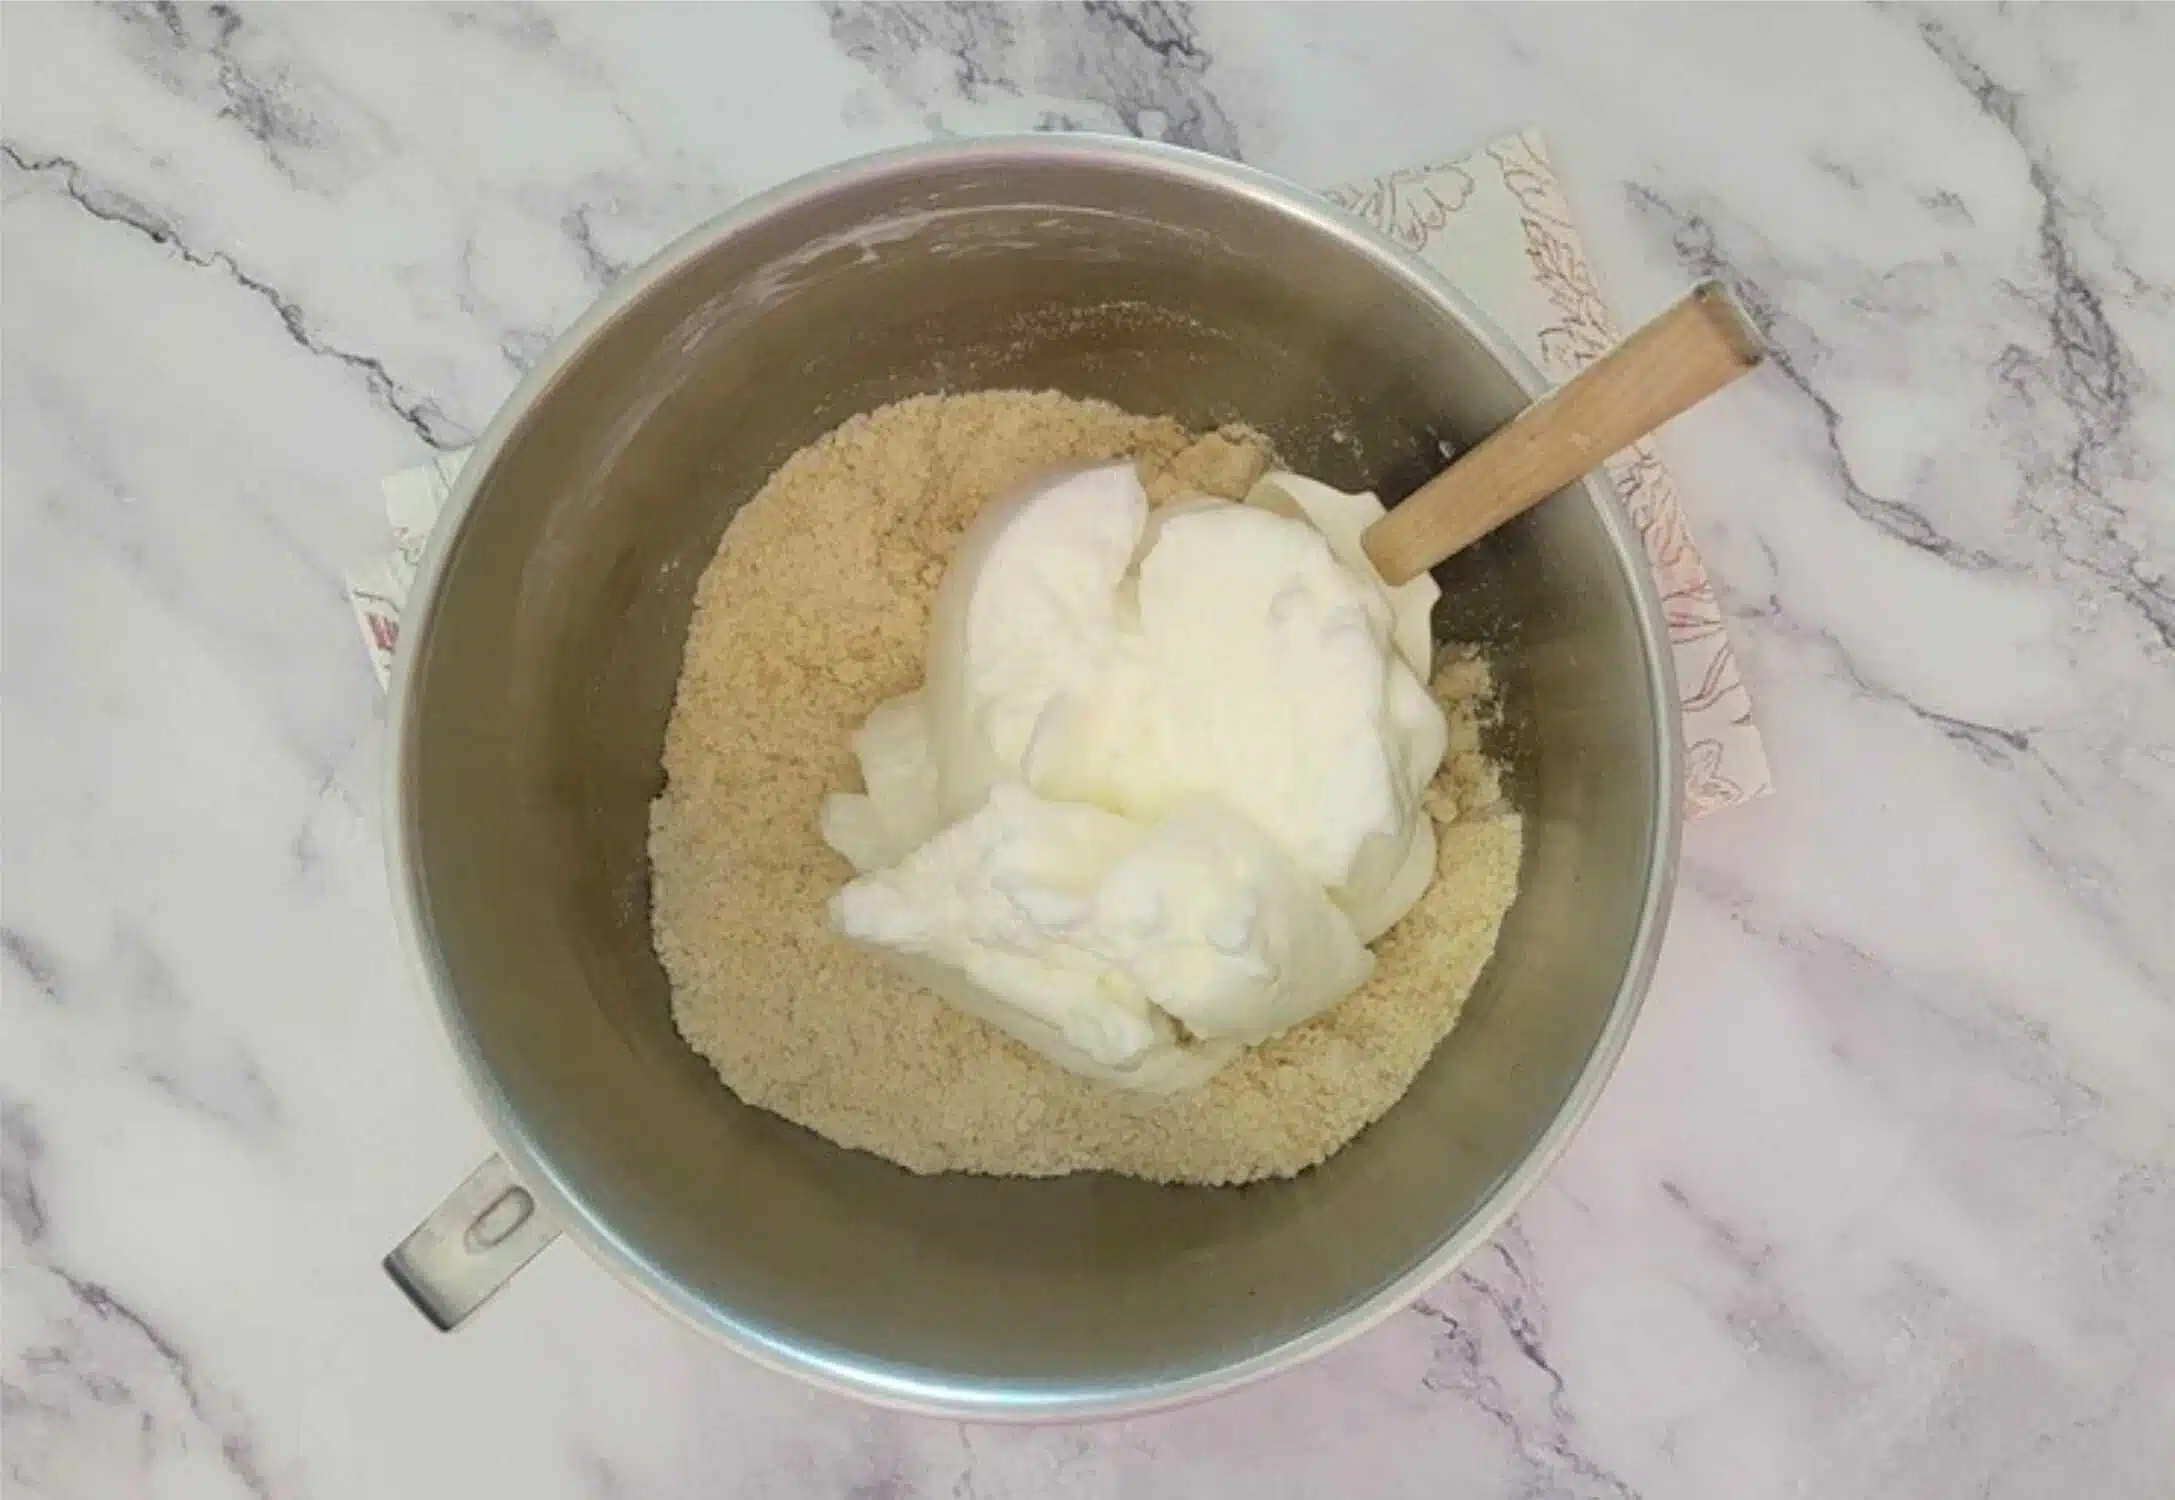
544,640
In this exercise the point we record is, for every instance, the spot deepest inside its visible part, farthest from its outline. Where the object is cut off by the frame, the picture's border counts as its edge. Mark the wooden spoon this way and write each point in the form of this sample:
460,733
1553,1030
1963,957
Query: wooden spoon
1670,365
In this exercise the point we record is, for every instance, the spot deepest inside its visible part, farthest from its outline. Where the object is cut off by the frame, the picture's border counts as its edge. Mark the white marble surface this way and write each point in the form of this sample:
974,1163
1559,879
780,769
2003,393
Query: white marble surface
1882,1202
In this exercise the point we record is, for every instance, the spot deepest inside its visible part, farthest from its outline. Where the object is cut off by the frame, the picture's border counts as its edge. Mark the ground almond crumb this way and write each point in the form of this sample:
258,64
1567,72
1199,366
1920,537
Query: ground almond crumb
813,611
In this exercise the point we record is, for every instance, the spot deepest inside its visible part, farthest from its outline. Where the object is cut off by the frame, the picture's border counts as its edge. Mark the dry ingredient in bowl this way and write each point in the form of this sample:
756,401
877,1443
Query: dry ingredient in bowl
815,610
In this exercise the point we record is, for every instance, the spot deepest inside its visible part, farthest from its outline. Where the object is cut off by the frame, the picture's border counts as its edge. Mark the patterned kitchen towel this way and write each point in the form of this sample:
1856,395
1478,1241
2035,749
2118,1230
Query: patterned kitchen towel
1496,225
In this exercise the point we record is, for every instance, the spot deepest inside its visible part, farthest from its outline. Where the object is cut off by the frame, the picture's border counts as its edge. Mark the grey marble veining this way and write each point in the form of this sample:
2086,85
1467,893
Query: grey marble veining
1882,1201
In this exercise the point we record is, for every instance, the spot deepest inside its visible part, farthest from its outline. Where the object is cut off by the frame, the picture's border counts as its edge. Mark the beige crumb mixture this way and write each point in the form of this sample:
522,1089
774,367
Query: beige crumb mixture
815,609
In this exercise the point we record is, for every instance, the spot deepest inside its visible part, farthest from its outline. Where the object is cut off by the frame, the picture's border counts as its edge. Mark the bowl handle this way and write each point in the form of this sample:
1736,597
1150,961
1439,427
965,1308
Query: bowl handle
488,1228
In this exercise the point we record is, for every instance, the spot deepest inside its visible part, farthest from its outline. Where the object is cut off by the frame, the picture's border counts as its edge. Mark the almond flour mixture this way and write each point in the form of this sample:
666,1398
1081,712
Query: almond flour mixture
815,609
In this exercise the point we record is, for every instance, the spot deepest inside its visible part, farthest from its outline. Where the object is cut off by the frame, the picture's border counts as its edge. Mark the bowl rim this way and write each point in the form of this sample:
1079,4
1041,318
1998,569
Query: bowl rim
871,1381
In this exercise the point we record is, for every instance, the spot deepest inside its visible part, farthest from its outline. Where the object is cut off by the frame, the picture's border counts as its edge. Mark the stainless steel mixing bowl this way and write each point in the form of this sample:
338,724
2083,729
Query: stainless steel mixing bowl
541,652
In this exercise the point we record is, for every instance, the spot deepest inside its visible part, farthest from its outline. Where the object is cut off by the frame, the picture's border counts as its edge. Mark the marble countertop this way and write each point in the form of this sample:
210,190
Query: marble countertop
1882,1201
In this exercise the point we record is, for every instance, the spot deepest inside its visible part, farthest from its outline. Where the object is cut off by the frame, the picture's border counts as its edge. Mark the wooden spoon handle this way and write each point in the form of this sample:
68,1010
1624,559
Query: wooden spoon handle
1673,363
